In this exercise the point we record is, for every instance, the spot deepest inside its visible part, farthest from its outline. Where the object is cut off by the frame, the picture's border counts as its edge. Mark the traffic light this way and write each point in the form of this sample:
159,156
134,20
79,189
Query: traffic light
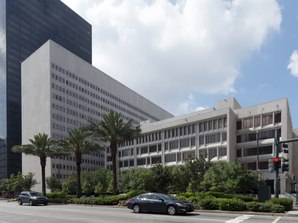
284,164
276,162
270,165
285,148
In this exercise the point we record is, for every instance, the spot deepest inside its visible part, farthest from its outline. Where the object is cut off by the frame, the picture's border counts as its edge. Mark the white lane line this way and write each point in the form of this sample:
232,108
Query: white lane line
276,220
239,219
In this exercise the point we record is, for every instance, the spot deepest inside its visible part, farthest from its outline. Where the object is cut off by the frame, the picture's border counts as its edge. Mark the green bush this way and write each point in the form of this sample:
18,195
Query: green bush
58,197
109,200
287,203
246,198
234,204
277,208
265,207
209,203
253,206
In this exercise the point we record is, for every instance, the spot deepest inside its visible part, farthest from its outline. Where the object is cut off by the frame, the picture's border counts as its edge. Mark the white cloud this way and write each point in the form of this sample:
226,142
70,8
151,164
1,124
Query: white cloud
168,51
293,65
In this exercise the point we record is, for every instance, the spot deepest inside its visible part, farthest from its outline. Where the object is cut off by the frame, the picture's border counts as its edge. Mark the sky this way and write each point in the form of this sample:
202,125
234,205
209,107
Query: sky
185,55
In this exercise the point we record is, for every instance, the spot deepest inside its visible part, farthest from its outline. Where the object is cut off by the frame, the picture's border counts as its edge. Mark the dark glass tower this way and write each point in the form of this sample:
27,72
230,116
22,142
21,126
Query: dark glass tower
25,25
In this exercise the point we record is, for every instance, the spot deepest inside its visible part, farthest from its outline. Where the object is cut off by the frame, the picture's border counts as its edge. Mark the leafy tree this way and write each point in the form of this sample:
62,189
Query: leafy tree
53,184
79,143
28,181
104,177
229,177
180,178
195,170
133,179
161,178
17,183
69,186
113,130
43,147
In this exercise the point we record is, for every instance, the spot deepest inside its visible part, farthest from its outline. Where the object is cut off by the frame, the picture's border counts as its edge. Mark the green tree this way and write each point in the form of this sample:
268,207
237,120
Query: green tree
180,178
28,181
53,184
195,171
113,130
43,147
69,186
79,142
230,177
161,178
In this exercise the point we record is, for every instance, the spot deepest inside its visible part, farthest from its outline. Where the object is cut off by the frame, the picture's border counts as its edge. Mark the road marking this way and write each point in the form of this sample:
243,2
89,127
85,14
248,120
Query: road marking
239,219
276,220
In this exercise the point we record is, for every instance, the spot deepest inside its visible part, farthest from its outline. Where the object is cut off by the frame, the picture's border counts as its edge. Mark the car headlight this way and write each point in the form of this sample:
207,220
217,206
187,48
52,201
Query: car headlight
34,198
180,205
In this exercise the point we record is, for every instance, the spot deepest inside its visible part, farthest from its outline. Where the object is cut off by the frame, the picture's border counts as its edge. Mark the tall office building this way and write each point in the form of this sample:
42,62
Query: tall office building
24,27
70,92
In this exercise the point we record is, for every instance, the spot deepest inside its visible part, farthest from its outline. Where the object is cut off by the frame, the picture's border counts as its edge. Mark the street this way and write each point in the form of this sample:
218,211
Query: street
11,212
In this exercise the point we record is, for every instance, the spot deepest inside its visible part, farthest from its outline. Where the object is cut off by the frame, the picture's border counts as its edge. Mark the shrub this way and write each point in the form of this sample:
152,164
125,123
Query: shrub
109,200
277,208
58,197
231,204
287,203
246,198
209,203
265,207
253,206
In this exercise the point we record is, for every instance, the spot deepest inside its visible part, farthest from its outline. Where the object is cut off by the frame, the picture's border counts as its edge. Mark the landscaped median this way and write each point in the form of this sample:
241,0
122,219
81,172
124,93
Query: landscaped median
229,202
203,201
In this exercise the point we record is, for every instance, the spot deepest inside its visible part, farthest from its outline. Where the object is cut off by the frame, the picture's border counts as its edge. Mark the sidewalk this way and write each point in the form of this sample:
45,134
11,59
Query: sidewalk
293,212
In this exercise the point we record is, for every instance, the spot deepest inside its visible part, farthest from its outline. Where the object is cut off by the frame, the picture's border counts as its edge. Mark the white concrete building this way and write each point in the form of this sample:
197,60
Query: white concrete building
61,92
226,132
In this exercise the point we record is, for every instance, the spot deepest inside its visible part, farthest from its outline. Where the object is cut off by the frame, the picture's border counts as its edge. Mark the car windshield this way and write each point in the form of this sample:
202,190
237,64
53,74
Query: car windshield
168,197
35,194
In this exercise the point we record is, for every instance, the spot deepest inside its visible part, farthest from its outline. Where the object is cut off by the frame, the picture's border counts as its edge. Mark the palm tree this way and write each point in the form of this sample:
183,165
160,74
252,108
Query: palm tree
43,147
79,143
113,130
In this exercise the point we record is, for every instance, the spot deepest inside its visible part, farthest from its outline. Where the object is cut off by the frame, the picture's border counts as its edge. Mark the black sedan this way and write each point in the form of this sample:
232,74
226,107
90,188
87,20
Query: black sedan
32,198
160,203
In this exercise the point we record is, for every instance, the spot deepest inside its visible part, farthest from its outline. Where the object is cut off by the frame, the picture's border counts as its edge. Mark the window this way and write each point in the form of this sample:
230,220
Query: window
201,140
184,143
156,159
247,123
239,153
213,138
152,148
222,151
239,125
141,162
277,117
210,127
257,121
170,157
144,150
223,136
267,119
212,153
188,155
174,144
203,153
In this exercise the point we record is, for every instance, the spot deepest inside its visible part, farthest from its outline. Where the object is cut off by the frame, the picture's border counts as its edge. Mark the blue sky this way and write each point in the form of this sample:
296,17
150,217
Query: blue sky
187,55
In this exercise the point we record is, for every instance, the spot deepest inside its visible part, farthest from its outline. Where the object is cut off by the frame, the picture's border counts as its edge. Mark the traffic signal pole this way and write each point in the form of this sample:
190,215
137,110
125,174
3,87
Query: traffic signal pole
276,178
276,184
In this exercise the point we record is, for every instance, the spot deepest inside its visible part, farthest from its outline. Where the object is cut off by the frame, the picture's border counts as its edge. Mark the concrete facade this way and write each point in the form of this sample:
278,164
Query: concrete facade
61,92
226,132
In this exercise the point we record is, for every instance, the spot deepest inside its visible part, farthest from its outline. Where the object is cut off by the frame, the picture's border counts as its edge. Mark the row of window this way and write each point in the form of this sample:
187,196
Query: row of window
256,121
213,152
213,125
254,151
100,90
267,134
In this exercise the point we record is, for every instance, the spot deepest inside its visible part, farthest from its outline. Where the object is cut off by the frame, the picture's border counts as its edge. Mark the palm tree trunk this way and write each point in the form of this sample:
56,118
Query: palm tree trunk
43,174
78,163
114,167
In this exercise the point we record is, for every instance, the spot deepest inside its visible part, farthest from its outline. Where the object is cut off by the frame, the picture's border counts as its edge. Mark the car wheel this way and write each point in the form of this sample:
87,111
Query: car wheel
136,208
20,202
45,203
30,203
171,210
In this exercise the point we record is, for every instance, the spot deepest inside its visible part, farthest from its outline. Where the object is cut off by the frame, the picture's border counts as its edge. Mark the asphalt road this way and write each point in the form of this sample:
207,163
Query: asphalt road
11,212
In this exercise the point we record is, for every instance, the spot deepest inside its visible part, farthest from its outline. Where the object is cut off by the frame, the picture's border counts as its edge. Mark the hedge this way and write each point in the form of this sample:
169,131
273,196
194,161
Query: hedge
287,203
234,204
